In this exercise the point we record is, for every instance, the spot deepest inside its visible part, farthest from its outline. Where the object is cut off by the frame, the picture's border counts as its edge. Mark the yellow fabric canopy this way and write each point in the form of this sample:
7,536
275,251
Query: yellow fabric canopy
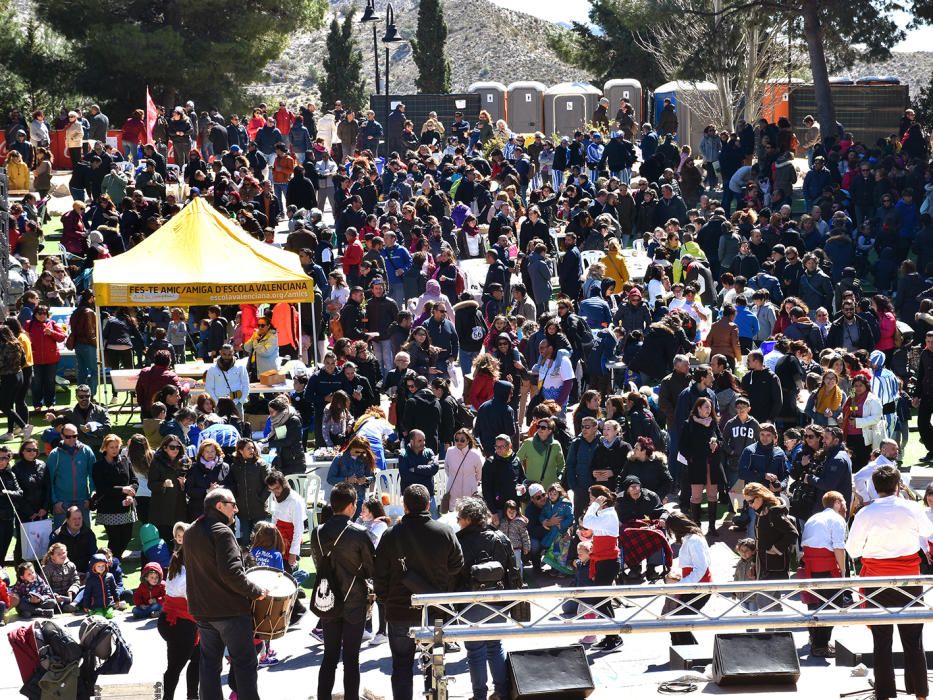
201,258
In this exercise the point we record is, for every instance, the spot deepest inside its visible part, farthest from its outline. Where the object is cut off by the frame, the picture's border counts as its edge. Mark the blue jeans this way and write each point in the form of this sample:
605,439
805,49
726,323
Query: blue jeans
396,288
236,634
385,355
466,360
402,648
86,366
481,653
143,611
279,189
77,194
43,384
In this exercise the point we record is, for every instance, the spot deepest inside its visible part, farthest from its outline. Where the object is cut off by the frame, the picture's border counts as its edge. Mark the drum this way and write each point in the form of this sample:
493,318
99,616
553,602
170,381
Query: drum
272,614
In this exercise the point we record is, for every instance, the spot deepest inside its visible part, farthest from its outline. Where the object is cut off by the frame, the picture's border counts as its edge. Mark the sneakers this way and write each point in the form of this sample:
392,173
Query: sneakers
267,660
318,634
588,640
6,437
609,642
827,652
27,431
451,647
367,636
378,640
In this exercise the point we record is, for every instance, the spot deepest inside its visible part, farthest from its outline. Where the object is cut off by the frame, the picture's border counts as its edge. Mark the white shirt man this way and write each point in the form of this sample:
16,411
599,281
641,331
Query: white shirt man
288,515
226,379
863,485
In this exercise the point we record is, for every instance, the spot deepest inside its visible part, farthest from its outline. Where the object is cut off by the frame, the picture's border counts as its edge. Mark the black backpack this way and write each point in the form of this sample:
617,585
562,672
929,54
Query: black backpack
326,599
464,416
62,647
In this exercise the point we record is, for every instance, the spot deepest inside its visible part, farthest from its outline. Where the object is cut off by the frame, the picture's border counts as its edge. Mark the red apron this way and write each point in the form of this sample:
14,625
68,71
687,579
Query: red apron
605,548
706,578
287,531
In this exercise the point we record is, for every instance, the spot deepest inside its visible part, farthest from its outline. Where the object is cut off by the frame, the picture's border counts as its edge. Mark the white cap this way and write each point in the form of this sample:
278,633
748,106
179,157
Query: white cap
535,490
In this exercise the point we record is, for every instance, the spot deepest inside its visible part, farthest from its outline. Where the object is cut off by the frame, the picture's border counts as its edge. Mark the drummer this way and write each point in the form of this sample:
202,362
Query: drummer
219,596
352,563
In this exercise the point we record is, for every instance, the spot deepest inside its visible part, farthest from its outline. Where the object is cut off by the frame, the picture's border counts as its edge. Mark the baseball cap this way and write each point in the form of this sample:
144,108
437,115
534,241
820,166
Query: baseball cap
535,490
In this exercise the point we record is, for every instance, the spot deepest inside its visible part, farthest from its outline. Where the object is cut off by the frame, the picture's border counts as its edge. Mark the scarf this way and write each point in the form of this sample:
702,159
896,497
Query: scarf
209,463
828,399
281,418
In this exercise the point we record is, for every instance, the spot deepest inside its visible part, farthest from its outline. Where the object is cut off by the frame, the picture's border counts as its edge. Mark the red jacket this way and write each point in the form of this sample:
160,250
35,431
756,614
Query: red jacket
284,120
481,389
144,593
134,131
44,347
151,380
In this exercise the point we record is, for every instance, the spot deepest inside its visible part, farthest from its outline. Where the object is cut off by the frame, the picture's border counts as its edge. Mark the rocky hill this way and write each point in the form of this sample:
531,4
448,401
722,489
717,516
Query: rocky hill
915,68
485,42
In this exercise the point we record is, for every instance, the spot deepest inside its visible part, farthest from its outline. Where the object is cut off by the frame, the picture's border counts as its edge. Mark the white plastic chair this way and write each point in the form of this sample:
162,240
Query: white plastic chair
313,494
588,257
388,482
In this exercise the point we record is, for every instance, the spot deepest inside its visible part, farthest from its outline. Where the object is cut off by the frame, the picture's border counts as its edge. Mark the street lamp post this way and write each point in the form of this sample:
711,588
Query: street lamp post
370,17
391,37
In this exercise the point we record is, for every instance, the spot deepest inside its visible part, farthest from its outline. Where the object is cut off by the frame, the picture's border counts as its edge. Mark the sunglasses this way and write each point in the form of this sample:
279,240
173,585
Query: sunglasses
83,396
69,437
543,427
30,449
539,497
172,447
460,439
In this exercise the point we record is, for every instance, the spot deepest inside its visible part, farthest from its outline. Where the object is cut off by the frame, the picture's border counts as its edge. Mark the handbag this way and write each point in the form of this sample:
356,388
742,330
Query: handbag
70,341
445,499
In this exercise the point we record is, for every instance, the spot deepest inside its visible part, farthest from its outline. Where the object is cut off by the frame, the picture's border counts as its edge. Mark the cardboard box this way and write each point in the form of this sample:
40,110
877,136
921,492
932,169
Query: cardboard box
271,378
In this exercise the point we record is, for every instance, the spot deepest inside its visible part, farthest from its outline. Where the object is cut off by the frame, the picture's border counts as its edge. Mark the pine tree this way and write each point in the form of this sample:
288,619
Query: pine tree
343,67
428,48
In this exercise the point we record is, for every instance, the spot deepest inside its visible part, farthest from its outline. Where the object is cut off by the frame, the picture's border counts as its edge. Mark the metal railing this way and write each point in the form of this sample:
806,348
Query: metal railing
475,616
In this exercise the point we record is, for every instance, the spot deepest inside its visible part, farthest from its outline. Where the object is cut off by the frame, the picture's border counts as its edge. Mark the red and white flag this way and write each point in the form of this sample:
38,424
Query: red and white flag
151,115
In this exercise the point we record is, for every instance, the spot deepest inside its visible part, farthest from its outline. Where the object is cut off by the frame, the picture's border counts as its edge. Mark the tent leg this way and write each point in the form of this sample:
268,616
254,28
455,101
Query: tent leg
101,365
301,339
313,334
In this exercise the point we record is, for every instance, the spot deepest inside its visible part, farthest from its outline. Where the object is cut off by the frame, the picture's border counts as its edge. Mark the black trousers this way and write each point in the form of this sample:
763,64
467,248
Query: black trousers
11,386
924,413
342,637
181,648
606,573
696,603
915,661
118,536
861,452
820,636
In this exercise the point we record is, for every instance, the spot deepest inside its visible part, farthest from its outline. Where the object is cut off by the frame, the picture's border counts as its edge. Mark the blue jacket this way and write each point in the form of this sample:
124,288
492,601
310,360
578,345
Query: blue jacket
100,590
910,219
70,470
835,476
765,281
266,138
814,183
577,470
495,417
417,469
595,310
343,467
397,258
757,460
300,138
649,145
443,335
747,322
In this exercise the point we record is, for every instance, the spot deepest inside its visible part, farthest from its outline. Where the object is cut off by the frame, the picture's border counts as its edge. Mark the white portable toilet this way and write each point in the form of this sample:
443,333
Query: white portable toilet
689,124
524,102
569,106
492,98
627,89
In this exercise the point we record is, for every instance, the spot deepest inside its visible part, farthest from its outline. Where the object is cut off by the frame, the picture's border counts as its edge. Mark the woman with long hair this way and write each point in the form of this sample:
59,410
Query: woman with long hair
286,436
140,455
700,445
420,351
824,406
356,465
167,477
336,419
248,474
179,630
33,479
862,422
649,464
587,408
463,463
208,471
887,322
485,376
695,560
19,403
775,532
115,485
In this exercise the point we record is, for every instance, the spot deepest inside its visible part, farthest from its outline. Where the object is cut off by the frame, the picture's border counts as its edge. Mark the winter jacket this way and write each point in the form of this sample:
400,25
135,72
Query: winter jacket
70,472
694,445
265,349
774,529
482,543
100,590
109,480
417,469
763,389
166,505
816,289
290,457
247,479
63,578
653,474
33,479
352,560
44,347
429,550
543,461
144,592
610,457
217,584
495,417
757,460
500,477
464,468
423,411
199,480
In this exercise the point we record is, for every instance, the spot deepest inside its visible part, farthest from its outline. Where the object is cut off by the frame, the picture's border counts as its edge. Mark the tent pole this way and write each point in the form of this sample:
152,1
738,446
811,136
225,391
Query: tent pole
301,340
101,368
313,333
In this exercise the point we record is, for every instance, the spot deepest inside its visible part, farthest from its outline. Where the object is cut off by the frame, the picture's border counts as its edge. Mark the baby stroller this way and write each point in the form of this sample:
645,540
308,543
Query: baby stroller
647,555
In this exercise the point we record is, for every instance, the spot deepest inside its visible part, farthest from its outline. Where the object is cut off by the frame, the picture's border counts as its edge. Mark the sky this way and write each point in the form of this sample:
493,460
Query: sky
576,10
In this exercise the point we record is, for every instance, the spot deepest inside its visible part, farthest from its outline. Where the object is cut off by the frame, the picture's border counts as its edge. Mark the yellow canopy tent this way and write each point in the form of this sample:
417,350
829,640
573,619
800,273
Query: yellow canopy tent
201,258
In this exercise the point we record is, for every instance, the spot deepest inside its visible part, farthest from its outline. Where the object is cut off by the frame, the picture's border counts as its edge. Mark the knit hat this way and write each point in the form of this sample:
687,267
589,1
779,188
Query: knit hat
634,293
535,490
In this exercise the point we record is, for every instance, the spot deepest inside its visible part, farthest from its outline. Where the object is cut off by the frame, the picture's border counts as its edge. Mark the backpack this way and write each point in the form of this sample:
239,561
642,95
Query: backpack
326,601
478,332
464,415
61,648
103,639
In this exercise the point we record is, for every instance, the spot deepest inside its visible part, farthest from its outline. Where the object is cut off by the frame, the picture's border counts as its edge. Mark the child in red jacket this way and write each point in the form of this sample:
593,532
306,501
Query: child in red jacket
148,597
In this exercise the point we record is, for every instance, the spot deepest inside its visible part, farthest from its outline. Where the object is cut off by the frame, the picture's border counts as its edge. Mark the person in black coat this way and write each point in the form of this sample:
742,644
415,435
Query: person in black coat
77,537
775,533
610,455
208,470
286,437
12,492
569,267
423,411
440,387
502,473
300,191
637,503
362,395
115,485
495,417
699,443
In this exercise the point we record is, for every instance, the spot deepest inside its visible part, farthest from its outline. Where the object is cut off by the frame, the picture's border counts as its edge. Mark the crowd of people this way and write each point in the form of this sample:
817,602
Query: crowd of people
574,417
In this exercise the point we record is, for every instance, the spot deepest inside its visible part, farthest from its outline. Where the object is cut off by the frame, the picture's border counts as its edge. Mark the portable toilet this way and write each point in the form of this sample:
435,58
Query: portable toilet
689,124
775,101
627,89
569,106
524,106
492,98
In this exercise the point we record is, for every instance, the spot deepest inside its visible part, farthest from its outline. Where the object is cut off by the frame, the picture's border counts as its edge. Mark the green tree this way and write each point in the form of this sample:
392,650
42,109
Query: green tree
429,49
606,48
343,67
207,51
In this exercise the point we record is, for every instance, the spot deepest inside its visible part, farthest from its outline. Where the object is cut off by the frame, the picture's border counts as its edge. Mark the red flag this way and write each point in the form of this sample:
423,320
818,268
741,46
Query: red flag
151,115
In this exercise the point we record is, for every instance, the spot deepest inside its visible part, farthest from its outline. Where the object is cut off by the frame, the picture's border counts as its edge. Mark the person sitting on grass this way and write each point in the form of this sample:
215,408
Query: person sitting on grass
150,593
100,589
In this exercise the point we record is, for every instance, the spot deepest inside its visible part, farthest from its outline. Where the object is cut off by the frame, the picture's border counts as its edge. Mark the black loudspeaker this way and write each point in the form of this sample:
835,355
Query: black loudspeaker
755,658
556,674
